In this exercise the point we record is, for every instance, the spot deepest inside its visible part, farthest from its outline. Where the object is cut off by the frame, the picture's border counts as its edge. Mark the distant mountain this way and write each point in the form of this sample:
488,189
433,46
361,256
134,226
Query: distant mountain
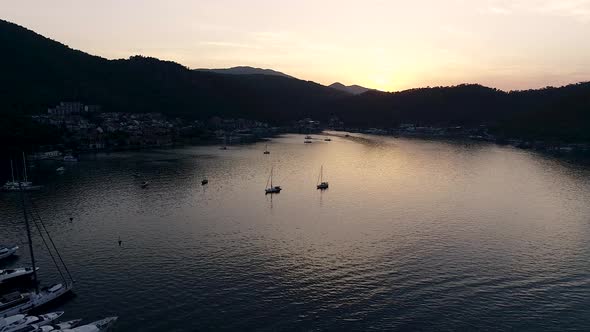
245,70
38,73
353,89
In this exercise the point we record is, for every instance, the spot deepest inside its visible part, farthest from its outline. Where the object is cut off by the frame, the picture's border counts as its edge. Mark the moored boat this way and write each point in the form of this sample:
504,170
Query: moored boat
18,323
7,250
18,303
10,275
97,326
272,189
321,183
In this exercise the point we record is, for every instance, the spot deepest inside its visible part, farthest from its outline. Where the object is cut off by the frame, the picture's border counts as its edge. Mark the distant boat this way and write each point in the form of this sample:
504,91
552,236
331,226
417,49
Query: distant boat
321,183
70,158
144,184
272,189
60,169
308,137
24,185
7,251
327,139
204,182
347,135
307,141
10,275
266,149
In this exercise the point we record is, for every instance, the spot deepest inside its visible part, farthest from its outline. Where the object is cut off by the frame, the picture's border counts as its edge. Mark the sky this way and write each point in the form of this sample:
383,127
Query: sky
389,45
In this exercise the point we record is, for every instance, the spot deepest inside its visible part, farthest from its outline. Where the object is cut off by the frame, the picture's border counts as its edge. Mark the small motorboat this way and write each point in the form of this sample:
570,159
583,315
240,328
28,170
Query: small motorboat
204,182
144,184
9,275
308,137
328,139
60,169
70,159
307,141
347,135
7,251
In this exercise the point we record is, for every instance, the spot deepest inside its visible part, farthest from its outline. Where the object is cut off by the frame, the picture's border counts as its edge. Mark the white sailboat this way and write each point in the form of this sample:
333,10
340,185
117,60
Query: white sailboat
321,184
272,189
19,303
266,149
9,275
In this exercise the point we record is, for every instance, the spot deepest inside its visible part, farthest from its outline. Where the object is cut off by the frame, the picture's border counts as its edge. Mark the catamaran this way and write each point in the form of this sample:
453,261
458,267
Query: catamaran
321,183
7,250
272,189
9,275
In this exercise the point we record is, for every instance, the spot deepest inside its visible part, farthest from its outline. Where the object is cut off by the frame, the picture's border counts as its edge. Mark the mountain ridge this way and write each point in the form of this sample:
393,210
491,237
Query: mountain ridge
39,73
245,70
352,89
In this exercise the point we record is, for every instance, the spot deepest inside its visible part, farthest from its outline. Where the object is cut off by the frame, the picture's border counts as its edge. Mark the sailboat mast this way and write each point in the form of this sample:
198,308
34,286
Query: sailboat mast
25,166
271,177
22,196
12,170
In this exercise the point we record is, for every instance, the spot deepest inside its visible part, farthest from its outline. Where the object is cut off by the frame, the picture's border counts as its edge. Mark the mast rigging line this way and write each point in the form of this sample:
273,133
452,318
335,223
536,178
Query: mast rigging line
35,209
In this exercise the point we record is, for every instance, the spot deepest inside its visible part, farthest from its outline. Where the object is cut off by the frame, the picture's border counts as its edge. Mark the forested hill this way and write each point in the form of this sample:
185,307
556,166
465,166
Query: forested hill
38,72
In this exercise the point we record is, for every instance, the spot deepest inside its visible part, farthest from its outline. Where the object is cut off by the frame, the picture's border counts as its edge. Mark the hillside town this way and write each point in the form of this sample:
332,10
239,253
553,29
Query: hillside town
89,128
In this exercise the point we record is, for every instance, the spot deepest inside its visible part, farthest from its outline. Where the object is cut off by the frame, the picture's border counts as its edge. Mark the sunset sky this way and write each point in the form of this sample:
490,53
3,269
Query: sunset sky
384,44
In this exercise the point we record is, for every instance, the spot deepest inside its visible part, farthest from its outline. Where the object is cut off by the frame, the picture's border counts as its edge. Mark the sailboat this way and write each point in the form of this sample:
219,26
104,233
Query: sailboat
272,189
18,303
266,149
25,185
224,147
11,275
321,183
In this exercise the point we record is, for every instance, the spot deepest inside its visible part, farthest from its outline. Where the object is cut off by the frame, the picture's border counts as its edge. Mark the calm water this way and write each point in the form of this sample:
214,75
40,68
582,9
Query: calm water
411,235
